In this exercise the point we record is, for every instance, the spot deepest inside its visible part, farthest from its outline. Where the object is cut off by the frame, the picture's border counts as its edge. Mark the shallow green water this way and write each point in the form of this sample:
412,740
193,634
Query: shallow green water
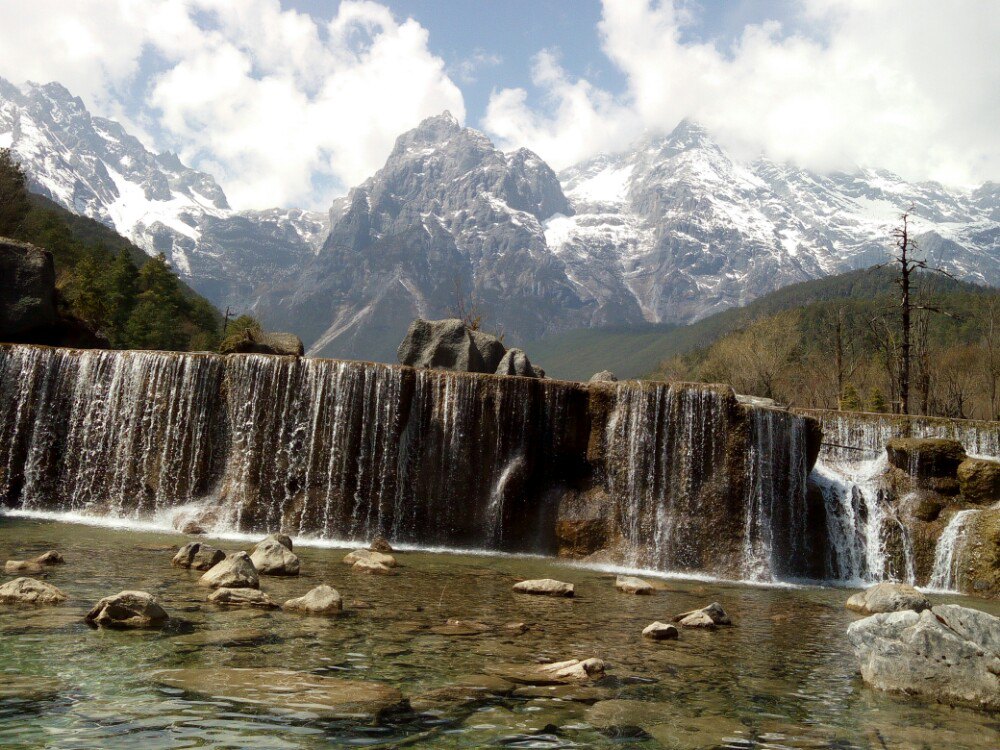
782,677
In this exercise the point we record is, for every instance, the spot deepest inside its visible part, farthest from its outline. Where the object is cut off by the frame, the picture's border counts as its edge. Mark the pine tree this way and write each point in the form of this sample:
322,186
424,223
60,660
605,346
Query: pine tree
876,401
14,204
850,399
157,321
123,291
86,292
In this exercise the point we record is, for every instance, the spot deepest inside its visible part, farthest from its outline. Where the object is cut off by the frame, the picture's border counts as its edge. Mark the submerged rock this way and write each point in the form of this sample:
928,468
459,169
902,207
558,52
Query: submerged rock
979,480
633,585
372,567
127,610
23,687
575,669
464,691
243,597
660,631
322,600
370,556
887,597
198,556
545,587
948,654
235,637
273,558
461,627
326,697
28,591
236,571
708,617
12,567
628,718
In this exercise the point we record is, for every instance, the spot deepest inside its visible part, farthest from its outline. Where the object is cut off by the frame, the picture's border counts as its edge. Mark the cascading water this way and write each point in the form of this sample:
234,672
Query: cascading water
776,536
859,523
948,553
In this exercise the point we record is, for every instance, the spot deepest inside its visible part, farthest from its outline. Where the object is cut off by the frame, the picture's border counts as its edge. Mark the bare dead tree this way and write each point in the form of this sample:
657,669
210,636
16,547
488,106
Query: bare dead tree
908,265
466,307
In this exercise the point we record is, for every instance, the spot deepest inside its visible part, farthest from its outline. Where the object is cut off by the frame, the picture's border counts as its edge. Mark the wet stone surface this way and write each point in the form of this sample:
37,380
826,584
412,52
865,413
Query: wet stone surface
430,660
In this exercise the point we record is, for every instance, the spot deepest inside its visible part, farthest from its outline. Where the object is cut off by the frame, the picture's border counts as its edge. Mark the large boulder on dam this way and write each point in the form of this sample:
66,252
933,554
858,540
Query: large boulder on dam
449,345
948,654
263,342
516,362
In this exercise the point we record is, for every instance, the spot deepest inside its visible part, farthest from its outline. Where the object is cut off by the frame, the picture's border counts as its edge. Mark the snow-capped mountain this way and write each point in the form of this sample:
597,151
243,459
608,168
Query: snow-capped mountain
670,230
448,217
685,230
93,167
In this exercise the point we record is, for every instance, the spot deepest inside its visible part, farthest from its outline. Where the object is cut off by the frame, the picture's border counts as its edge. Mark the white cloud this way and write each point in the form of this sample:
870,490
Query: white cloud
468,69
905,84
269,98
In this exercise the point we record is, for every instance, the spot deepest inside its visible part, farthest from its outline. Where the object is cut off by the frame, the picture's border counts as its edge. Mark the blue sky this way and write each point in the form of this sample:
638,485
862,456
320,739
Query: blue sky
291,102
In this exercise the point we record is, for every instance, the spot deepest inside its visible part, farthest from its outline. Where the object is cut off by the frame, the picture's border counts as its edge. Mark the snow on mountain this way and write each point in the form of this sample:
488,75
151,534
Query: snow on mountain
670,230
686,230
93,167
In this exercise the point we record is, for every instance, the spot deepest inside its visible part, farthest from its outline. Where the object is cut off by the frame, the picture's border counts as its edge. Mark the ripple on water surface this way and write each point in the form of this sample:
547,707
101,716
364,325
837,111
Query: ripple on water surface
782,678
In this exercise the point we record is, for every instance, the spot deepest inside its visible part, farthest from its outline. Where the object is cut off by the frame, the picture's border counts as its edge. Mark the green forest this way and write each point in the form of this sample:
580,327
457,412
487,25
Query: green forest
135,301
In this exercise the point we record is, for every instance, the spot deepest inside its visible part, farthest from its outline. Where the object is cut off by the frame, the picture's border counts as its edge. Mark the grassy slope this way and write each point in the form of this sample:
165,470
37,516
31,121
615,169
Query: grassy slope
630,353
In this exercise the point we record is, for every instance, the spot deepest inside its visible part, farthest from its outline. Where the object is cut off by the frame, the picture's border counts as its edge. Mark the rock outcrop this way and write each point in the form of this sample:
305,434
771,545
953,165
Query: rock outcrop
887,597
979,480
28,591
948,654
127,610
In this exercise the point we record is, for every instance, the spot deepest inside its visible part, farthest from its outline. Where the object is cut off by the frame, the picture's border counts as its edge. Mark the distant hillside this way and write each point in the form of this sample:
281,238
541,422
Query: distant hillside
636,352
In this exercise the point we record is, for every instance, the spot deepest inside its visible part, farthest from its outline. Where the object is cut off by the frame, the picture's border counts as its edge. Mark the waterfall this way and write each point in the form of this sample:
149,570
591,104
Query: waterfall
860,522
776,537
948,552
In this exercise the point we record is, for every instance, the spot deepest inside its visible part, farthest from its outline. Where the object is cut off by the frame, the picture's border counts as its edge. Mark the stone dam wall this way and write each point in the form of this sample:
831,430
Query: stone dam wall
673,477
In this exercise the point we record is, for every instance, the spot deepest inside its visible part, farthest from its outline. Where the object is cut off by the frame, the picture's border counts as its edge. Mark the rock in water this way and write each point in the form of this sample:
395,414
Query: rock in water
380,544
633,585
979,480
660,631
604,376
198,556
50,558
948,654
708,617
322,600
575,669
127,610
282,539
32,592
243,598
370,556
441,345
235,572
371,566
544,587
887,597
516,362
12,567
272,558
329,697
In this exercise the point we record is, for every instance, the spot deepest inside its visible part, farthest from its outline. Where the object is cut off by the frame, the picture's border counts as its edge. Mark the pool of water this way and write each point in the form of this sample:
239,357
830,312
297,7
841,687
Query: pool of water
782,677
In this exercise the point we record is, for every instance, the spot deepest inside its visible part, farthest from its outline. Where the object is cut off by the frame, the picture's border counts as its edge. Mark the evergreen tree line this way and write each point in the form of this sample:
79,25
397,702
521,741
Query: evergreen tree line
135,305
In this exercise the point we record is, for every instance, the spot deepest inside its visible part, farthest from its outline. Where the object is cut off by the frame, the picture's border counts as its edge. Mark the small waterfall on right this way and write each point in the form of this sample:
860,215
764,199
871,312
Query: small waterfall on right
945,575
